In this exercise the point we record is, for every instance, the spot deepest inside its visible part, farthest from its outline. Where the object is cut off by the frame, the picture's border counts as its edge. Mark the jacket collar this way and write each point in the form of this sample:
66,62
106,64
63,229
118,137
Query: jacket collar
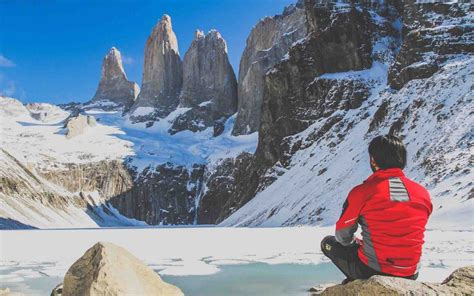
386,174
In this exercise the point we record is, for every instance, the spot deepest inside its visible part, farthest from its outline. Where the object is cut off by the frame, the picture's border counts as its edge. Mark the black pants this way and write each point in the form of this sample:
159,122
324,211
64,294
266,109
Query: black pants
347,260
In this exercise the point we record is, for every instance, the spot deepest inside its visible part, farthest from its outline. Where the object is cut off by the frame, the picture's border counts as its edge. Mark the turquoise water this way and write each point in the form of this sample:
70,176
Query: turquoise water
258,279
245,279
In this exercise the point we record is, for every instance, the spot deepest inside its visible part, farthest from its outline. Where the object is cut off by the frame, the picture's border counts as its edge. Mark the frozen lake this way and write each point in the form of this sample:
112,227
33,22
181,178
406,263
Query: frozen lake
242,279
207,260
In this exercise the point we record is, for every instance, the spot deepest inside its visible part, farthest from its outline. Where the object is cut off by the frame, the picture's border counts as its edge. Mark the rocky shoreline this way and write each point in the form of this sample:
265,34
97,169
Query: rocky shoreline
108,269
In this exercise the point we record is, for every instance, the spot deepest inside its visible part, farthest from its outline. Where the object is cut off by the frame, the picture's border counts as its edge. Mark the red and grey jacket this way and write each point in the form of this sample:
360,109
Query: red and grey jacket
392,211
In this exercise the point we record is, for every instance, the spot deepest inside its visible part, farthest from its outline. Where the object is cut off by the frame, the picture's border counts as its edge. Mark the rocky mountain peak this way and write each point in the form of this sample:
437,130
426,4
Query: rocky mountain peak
112,65
198,34
162,70
209,84
113,85
166,20
267,44
164,29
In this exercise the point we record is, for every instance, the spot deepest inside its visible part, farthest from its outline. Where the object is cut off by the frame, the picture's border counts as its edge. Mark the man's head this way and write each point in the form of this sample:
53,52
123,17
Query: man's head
387,152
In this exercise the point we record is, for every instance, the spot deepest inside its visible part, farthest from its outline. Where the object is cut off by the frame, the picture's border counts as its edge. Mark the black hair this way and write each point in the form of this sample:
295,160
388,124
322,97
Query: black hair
388,151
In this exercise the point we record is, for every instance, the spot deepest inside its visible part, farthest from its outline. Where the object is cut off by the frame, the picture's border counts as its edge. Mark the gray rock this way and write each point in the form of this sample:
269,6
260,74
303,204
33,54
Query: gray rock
209,83
460,282
107,269
114,85
268,42
162,70
77,125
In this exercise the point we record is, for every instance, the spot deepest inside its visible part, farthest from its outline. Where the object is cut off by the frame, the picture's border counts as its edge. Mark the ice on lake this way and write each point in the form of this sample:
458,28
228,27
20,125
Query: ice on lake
206,260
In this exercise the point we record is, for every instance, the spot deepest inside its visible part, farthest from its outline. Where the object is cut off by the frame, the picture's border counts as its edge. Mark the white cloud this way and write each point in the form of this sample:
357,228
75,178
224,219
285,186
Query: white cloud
6,63
9,88
126,60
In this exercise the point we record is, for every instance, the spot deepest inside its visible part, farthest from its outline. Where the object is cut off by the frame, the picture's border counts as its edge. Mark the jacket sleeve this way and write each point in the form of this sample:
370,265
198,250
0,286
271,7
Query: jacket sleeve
347,225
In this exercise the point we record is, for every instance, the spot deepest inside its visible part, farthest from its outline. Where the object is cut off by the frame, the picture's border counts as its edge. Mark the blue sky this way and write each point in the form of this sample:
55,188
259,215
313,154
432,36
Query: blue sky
51,51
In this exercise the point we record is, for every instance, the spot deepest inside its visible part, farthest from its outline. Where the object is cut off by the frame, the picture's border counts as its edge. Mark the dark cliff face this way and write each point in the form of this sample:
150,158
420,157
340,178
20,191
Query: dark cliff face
227,188
428,41
268,42
291,101
294,98
164,195
308,104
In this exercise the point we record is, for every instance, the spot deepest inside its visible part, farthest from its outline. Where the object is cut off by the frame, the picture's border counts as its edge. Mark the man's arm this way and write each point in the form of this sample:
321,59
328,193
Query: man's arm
347,224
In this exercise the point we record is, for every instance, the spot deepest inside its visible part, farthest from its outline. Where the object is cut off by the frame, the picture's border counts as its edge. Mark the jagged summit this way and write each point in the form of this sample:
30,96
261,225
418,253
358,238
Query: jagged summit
113,64
166,20
213,33
209,83
162,70
164,28
198,34
114,85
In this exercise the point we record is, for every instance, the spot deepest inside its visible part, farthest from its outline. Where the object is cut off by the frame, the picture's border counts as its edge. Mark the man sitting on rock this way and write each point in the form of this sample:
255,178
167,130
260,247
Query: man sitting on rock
392,211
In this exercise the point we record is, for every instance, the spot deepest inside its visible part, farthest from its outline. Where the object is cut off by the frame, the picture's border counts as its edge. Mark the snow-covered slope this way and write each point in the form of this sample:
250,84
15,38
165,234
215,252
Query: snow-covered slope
27,200
155,145
430,67
74,181
438,134
40,140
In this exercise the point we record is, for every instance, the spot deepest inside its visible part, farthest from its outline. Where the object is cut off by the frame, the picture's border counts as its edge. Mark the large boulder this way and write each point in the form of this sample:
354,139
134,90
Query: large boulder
460,282
267,44
77,125
114,85
107,269
209,83
162,70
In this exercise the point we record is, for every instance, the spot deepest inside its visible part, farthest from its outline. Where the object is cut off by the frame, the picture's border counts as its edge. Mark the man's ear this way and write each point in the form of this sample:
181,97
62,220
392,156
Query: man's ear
373,164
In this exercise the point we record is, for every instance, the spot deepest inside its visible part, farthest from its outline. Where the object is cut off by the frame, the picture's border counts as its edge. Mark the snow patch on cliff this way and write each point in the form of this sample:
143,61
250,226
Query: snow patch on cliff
438,135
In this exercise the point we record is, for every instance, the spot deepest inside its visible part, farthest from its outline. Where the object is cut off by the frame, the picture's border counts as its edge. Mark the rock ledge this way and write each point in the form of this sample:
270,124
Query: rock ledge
460,282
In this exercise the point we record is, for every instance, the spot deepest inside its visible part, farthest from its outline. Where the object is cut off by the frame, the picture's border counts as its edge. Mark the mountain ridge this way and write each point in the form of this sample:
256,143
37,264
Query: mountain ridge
360,70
